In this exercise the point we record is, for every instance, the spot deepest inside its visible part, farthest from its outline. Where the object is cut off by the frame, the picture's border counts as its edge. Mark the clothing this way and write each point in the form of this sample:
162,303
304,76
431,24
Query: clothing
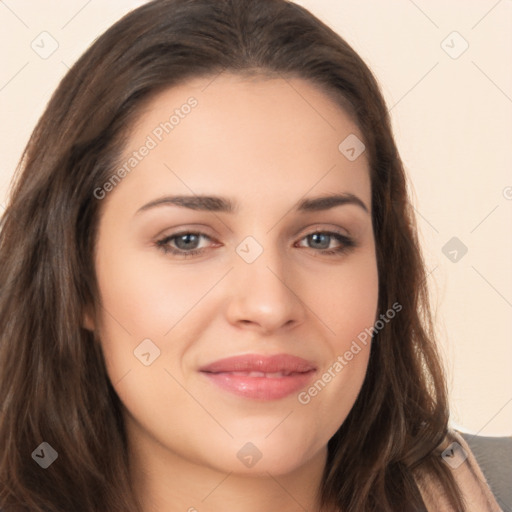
469,477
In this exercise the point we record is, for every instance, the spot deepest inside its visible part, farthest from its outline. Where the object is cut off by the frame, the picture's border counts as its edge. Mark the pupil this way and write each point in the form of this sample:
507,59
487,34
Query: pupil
186,238
315,237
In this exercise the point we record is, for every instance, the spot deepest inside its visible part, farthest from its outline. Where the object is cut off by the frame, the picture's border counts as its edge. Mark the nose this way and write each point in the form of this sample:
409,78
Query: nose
265,295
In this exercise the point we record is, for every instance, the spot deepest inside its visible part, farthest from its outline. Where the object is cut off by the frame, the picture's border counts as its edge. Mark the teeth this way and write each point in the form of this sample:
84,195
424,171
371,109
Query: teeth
274,375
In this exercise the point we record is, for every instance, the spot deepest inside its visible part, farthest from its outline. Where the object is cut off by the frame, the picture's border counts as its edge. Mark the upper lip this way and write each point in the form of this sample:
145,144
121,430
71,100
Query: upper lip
285,363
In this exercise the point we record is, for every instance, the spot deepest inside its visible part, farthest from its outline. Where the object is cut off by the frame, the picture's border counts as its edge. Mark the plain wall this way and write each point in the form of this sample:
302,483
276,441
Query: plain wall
452,118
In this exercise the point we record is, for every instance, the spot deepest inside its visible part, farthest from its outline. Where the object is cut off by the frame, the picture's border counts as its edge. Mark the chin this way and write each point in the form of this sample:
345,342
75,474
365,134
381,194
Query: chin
260,455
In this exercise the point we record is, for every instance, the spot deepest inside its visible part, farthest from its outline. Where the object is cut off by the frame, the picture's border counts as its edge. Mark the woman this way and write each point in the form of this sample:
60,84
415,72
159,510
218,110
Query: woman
212,291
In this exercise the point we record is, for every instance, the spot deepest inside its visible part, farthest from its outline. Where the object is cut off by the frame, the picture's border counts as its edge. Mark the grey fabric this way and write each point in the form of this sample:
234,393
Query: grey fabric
494,456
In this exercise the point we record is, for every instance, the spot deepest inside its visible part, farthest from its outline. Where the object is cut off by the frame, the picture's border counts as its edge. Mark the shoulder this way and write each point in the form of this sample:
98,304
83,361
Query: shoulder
474,488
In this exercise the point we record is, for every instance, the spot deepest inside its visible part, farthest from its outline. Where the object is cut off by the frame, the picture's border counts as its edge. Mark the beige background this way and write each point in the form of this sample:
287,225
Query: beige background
452,118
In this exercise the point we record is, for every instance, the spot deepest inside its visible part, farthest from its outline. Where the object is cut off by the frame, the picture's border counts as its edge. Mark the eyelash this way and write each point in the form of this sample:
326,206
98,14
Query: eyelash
346,243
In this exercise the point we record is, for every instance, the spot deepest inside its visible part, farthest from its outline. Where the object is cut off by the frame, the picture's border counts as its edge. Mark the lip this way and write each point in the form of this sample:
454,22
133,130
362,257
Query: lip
260,377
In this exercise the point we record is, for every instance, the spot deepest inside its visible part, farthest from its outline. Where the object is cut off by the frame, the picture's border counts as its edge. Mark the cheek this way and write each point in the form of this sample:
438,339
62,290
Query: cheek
349,310
349,303
151,306
144,295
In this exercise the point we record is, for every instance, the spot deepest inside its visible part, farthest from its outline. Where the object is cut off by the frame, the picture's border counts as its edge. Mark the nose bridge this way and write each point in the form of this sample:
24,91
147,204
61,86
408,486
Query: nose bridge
263,287
260,262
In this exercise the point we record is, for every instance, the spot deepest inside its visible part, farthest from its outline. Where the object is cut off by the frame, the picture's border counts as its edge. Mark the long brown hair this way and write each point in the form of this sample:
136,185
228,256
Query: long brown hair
54,382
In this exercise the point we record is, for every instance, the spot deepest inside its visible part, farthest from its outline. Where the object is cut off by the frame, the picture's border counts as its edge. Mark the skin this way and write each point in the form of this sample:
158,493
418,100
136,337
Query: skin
266,144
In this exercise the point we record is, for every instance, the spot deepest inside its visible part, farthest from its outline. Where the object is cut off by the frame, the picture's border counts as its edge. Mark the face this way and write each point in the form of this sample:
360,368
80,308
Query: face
228,324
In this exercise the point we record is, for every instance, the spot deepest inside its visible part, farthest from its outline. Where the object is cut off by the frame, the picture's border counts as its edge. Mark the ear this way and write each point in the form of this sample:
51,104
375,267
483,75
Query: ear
88,322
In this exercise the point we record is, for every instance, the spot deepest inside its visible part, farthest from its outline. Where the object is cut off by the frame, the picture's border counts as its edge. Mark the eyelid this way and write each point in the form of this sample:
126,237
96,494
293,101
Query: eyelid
323,227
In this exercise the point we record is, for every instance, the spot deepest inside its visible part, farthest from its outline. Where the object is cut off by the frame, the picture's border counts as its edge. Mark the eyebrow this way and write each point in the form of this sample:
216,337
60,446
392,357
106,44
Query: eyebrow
225,205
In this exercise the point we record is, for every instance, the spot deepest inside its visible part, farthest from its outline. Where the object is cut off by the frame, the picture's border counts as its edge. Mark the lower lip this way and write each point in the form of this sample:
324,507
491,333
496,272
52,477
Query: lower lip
261,388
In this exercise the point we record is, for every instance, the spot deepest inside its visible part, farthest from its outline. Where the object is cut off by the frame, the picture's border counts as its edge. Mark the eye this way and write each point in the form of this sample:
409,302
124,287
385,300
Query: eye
322,240
186,243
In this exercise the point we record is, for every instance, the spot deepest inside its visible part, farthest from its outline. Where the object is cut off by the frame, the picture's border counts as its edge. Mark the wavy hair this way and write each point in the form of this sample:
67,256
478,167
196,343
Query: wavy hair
53,378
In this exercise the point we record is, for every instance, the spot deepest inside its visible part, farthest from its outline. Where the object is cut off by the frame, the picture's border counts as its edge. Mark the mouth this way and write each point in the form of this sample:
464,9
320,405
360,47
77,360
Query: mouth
260,377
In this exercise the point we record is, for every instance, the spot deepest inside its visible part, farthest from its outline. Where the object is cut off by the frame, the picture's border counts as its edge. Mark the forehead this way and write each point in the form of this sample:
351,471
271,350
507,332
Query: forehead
256,136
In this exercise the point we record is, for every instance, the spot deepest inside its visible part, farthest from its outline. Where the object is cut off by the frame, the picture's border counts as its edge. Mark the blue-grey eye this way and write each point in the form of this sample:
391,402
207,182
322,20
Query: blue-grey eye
318,243
187,241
